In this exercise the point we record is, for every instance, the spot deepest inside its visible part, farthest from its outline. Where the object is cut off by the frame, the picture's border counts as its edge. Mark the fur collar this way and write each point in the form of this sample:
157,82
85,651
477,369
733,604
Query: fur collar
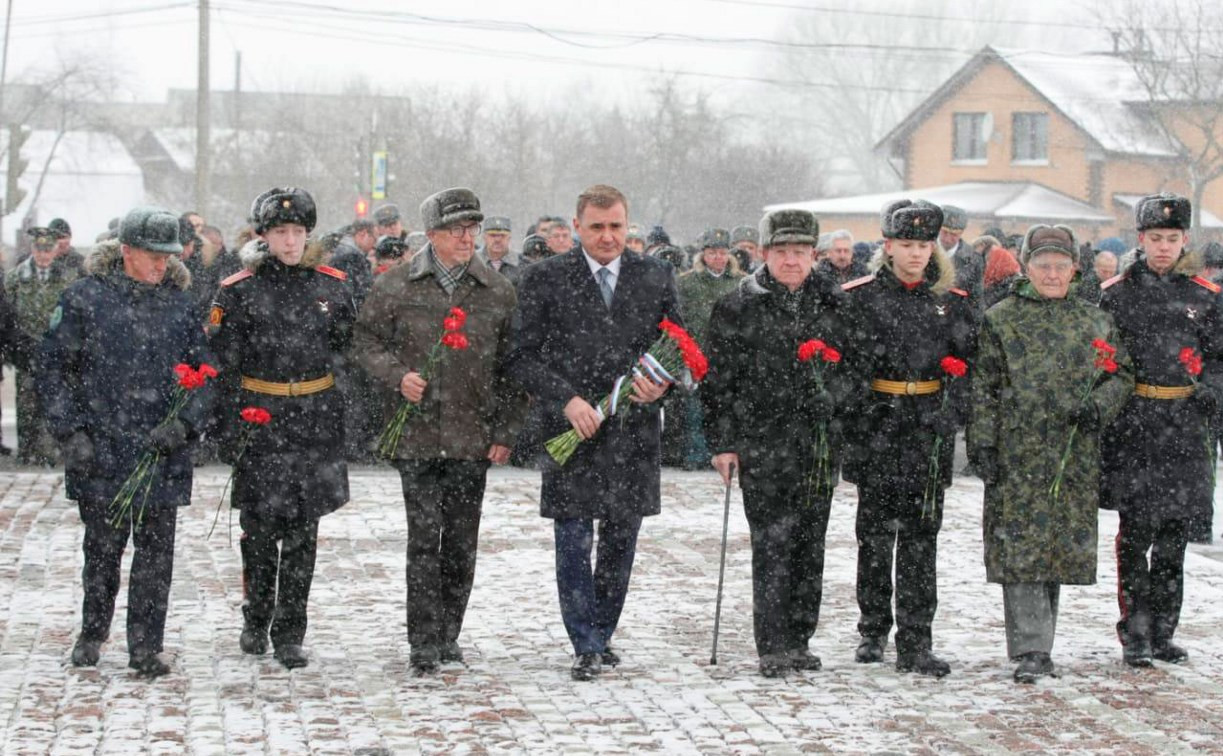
107,261
1189,265
940,271
255,251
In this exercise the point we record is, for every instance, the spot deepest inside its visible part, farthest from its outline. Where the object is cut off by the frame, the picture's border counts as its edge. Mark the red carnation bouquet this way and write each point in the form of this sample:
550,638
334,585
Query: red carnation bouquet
140,481
1192,361
674,351
953,368
253,417
1104,363
819,479
452,339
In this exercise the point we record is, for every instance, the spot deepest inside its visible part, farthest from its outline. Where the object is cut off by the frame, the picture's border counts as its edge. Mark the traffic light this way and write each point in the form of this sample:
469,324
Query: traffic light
17,135
362,207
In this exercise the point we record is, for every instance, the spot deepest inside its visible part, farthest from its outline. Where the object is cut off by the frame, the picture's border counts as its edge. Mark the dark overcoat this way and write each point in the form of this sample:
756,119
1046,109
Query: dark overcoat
567,343
106,366
1156,455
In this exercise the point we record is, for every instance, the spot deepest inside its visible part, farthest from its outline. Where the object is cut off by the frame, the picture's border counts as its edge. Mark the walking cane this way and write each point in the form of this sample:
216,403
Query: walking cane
717,614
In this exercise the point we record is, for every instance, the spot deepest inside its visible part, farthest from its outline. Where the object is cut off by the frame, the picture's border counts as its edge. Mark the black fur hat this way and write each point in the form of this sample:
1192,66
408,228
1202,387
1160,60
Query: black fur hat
916,221
279,206
1163,211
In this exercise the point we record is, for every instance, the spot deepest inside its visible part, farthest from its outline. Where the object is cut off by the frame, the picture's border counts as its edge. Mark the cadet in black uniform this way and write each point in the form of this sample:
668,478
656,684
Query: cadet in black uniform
900,324
279,329
1157,467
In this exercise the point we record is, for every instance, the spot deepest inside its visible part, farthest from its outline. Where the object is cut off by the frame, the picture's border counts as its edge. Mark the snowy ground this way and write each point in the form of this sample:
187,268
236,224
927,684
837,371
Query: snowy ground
515,694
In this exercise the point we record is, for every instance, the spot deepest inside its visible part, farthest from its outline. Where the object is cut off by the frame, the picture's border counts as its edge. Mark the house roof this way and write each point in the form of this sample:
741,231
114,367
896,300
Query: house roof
982,200
178,143
1089,89
90,179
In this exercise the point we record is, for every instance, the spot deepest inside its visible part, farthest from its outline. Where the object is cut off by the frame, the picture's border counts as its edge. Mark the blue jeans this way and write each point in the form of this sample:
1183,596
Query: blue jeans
591,601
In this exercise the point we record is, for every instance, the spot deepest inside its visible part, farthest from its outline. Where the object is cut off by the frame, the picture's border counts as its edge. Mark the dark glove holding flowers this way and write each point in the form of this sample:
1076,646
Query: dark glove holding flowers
169,437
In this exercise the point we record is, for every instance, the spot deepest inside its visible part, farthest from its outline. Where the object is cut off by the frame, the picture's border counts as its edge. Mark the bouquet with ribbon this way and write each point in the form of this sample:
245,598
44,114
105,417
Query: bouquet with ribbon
253,417
819,479
452,339
953,368
140,481
1104,363
666,358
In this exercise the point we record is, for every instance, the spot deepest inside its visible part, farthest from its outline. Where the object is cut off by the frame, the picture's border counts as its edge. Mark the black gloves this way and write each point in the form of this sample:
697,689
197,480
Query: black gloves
1084,415
821,402
169,437
78,451
1205,399
942,423
985,462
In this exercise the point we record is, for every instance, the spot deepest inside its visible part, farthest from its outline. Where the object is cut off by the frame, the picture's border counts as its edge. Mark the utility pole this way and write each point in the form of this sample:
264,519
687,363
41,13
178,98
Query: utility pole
203,120
8,18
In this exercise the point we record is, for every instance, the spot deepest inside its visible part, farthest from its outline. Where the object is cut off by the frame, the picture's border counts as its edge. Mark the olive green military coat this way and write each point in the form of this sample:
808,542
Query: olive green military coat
1035,363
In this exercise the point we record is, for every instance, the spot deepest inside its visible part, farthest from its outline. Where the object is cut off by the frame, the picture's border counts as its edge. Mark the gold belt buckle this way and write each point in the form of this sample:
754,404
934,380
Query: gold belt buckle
910,388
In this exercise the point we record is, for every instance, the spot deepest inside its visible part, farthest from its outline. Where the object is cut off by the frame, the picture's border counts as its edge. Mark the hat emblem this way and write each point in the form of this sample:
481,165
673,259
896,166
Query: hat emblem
286,203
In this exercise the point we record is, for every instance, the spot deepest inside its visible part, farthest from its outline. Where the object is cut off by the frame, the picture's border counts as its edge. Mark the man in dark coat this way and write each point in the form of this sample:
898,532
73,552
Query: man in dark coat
351,256
763,408
835,251
465,415
279,329
900,324
969,264
1157,465
108,382
583,318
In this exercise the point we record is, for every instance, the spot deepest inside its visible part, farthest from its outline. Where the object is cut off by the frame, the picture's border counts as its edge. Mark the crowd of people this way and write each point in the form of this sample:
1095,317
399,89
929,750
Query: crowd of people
1083,376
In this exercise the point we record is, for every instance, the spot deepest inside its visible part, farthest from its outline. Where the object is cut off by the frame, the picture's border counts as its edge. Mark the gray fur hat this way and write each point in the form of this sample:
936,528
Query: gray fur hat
789,225
450,206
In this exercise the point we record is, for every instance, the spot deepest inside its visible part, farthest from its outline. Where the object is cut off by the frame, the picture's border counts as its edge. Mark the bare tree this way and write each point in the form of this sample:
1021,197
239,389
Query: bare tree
1177,55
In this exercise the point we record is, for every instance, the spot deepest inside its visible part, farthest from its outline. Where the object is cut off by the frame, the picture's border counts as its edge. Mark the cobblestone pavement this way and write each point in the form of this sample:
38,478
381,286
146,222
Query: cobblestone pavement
515,694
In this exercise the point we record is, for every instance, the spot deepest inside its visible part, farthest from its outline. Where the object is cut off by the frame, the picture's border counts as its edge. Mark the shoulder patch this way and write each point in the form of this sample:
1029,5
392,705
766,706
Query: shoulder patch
241,275
1111,281
327,270
1207,284
216,315
857,282
959,292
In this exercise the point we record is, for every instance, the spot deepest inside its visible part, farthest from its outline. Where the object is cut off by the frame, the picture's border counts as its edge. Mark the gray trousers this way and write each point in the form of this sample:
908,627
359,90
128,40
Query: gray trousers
1031,617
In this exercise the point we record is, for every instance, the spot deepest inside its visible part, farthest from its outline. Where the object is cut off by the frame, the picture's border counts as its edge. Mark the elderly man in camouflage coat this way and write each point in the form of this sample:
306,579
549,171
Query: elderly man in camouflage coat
1036,361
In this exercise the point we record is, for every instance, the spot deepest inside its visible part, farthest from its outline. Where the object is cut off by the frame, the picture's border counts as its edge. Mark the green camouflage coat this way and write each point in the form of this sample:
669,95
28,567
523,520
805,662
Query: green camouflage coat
1035,361
699,291
34,301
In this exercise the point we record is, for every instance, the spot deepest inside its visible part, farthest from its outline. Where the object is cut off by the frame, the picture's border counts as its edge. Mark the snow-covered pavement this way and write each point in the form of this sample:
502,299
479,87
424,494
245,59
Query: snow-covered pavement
515,694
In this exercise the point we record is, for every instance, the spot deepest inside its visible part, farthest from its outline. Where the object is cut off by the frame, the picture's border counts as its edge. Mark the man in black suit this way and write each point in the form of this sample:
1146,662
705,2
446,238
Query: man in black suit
584,317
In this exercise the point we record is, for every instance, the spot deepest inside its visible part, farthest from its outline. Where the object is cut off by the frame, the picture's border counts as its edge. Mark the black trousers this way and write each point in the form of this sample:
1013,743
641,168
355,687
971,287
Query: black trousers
442,498
592,598
277,569
892,519
1150,592
148,585
787,565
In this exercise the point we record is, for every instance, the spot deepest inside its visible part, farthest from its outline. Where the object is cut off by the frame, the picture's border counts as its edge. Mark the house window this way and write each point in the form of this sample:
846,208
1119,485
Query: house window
1030,137
968,139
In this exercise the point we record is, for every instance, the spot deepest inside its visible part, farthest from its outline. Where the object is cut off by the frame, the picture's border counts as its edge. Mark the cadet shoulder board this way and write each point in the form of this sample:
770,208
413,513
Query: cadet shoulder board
1207,284
327,270
241,275
857,282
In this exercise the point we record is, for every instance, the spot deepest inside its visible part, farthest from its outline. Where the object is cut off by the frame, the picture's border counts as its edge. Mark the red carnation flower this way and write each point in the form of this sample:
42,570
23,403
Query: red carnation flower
954,367
256,415
455,340
810,349
1103,346
207,371
831,355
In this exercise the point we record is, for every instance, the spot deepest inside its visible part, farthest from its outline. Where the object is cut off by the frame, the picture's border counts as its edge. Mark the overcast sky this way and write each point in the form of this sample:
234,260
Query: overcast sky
513,46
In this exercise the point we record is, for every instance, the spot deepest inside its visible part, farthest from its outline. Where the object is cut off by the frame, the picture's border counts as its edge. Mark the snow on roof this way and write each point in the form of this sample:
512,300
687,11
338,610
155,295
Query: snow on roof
1208,219
90,179
980,199
179,144
1097,93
